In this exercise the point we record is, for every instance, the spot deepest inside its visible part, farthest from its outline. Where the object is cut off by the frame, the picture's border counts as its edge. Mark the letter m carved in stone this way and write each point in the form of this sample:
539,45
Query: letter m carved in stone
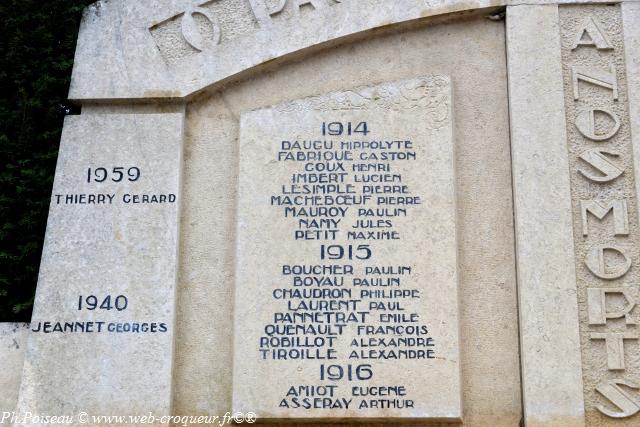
600,209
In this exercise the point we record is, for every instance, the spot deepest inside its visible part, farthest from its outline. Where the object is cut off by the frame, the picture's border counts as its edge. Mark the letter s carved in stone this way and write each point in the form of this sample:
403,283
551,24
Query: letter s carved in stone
620,397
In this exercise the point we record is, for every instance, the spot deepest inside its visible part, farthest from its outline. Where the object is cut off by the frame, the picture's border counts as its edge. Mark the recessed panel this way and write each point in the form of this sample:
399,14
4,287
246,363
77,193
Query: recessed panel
346,283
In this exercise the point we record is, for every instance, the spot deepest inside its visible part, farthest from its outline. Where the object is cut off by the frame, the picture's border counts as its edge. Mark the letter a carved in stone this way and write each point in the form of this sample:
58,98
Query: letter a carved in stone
594,36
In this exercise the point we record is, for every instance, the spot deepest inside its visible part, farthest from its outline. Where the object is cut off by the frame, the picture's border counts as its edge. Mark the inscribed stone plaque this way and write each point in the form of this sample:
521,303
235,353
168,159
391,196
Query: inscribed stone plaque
346,292
101,339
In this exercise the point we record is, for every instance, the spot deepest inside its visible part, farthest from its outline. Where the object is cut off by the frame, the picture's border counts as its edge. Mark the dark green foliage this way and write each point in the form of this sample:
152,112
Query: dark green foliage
37,43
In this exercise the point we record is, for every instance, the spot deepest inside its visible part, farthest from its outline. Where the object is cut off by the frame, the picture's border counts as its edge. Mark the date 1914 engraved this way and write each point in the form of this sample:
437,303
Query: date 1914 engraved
346,288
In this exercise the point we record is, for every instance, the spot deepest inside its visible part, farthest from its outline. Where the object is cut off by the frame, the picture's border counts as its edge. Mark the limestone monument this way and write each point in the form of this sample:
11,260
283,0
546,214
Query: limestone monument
360,212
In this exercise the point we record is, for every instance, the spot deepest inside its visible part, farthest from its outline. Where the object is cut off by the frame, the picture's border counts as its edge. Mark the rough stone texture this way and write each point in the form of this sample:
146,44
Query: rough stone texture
594,352
13,337
234,19
550,345
119,57
470,51
143,49
630,17
416,110
108,250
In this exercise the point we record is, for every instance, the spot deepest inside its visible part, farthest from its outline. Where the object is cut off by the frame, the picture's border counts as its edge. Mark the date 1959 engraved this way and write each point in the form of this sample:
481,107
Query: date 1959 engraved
115,174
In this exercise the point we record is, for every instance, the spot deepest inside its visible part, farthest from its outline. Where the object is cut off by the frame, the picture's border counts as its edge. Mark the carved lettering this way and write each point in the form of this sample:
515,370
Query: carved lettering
316,4
198,28
614,343
597,263
594,36
626,403
591,64
278,7
597,306
599,161
192,34
600,78
586,124
600,209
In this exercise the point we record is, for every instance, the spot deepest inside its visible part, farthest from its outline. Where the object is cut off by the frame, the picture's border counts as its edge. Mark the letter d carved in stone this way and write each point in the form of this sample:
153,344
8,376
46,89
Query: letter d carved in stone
596,262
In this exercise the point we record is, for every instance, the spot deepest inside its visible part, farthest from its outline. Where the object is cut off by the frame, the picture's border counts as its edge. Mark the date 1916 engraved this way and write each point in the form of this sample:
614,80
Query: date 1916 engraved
349,216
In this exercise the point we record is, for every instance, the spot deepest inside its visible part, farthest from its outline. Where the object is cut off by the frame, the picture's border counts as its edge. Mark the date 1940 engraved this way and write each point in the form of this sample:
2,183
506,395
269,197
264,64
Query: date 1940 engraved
347,284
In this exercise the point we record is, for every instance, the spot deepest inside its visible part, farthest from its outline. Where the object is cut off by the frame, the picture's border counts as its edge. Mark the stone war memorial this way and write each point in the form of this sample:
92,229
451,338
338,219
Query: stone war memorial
341,212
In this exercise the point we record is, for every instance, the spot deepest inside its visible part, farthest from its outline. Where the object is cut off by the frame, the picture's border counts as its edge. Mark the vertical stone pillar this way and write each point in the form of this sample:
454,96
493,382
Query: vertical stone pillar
630,19
549,328
101,340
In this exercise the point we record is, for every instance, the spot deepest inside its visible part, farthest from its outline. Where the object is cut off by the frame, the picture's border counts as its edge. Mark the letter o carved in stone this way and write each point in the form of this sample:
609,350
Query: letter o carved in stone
192,32
586,124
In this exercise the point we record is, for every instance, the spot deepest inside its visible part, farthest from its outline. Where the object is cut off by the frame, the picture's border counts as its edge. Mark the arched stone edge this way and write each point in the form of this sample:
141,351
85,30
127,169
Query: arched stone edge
155,49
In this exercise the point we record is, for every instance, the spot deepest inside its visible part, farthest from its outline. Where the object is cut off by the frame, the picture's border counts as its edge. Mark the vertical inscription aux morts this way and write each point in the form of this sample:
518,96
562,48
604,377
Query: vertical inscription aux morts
603,191
355,303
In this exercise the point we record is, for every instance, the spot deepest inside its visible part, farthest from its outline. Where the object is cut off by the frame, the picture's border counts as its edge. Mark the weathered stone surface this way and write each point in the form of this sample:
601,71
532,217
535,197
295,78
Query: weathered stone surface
174,48
13,338
248,55
550,343
630,18
604,206
471,51
102,328
391,229
147,49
